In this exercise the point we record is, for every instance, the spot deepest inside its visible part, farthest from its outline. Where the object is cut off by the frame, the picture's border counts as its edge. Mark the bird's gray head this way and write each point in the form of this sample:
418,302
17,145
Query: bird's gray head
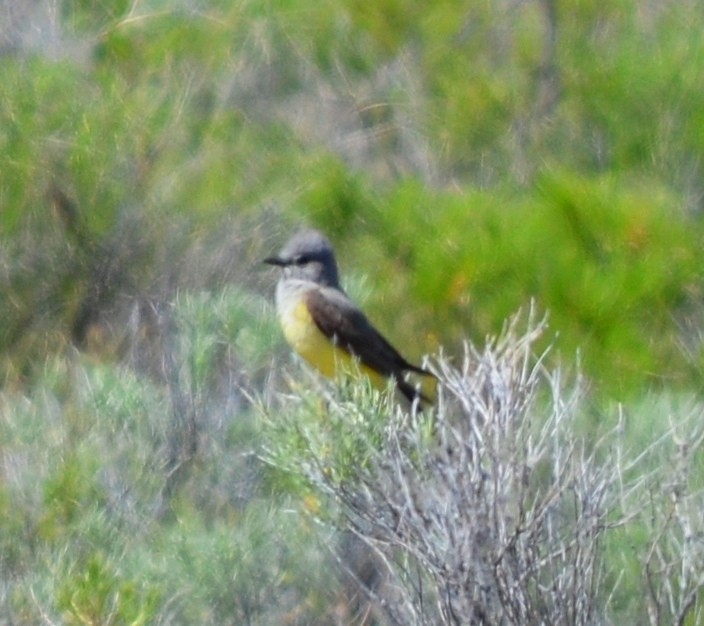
308,255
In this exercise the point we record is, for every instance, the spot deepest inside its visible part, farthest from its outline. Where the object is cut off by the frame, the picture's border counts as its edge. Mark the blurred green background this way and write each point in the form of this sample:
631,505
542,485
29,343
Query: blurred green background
465,159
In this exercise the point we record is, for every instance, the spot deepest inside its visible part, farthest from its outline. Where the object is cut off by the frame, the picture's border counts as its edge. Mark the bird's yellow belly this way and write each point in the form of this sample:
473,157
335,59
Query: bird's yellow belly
304,336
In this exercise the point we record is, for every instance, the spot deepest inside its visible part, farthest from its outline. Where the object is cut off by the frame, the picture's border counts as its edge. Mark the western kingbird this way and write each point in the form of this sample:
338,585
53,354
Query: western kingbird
324,326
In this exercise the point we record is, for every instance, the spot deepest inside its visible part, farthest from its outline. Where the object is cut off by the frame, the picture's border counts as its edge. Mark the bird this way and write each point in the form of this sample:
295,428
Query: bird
325,327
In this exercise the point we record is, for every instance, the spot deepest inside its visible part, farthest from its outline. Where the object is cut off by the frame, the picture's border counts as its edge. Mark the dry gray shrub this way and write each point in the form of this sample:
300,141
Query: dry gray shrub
674,519
488,509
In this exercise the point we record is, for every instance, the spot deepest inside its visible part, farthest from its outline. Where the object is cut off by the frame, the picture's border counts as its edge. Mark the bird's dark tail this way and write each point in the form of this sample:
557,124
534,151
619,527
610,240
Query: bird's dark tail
422,393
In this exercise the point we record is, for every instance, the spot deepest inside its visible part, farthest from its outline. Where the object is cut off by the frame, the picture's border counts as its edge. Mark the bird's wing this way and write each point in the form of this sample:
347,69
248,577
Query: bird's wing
338,318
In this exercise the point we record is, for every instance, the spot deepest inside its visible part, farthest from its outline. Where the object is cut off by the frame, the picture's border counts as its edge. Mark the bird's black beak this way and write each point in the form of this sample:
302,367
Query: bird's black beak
275,260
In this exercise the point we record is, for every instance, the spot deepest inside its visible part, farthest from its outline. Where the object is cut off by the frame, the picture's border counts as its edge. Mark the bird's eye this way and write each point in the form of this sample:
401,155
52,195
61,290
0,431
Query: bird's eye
301,259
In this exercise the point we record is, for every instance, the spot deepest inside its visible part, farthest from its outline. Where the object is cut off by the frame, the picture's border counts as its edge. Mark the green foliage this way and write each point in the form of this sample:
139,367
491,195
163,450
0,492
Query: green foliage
343,435
336,200
84,521
656,105
69,493
213,326
91,16
94,592
231,570
606,257
169,134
